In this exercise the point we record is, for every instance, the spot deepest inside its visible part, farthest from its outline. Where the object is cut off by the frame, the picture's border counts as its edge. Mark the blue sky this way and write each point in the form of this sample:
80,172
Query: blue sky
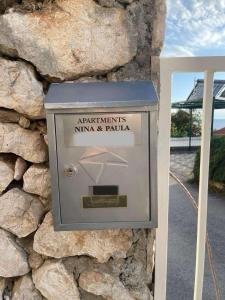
194,28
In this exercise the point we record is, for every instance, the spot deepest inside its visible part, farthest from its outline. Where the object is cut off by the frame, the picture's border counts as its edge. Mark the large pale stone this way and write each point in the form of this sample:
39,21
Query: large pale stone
54,282
104,284
24,289
19,88
20,212
13,259
6,172
36,180
20,168
101,244
23,142
67,38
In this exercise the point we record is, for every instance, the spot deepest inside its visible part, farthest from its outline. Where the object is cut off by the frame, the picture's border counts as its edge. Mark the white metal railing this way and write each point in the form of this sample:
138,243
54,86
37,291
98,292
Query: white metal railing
168,66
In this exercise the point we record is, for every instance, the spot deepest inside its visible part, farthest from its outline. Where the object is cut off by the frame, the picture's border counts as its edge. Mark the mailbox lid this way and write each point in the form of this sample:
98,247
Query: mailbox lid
101,94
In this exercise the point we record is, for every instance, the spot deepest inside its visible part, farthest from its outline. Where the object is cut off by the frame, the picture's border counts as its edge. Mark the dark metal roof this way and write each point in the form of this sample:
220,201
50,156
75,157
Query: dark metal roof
101,94
195,98
197,92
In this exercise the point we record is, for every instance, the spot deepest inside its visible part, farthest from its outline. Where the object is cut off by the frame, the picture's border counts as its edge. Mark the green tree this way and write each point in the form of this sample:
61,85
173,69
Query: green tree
180,124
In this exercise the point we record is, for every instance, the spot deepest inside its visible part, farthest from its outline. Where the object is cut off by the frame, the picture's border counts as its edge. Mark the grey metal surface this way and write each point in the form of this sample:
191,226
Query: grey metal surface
114,125
133,169
153,167
101,94
102,109
53,161
126,167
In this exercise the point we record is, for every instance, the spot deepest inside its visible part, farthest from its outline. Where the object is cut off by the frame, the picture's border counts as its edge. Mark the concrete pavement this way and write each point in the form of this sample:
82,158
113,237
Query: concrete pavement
182,243
182,164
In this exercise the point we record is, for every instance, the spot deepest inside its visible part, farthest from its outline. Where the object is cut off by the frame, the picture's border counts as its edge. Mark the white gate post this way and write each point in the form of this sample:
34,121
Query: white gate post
209,65
203,184
163,183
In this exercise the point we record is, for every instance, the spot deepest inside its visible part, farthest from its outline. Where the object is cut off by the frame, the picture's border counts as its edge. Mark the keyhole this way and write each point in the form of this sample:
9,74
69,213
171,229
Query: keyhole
69,171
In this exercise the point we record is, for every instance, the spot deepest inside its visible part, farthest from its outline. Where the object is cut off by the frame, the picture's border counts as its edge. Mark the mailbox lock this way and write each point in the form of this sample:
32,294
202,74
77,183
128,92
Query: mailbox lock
70,171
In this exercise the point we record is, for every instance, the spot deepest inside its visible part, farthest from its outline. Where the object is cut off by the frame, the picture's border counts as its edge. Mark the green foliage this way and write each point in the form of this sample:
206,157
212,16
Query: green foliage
180,124
217,161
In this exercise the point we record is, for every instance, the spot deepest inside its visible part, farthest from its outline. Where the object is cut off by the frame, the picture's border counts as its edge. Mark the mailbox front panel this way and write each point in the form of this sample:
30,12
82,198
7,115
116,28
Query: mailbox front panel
103,167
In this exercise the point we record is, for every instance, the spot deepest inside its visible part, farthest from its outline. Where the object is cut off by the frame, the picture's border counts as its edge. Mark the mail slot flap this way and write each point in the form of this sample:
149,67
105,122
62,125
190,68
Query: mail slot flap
101,94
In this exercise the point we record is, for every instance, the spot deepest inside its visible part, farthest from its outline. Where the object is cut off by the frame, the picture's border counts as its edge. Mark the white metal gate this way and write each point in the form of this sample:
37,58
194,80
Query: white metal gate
168,66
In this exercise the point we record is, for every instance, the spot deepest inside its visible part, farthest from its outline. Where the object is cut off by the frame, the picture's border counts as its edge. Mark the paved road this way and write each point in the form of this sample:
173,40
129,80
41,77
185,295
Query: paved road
182,242
182,164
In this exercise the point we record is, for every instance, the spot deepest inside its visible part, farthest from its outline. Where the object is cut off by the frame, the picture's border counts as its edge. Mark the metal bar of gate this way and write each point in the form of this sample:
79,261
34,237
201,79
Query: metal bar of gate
163,185
203,183
168,66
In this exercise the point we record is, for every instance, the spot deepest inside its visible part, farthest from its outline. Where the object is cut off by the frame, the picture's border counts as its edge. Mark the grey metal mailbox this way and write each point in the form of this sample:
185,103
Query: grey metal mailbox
103,154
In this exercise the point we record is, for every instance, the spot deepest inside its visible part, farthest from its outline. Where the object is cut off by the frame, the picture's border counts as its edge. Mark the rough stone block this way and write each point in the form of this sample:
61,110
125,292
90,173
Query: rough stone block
54,282
20,90
68,39
26,143
13,259
101,244
20,212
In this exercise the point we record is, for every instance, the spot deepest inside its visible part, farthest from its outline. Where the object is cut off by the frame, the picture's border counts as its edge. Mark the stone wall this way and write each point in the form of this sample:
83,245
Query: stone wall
52,41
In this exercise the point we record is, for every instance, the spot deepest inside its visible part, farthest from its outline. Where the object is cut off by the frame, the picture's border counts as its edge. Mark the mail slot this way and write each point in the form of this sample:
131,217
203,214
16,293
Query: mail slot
103,154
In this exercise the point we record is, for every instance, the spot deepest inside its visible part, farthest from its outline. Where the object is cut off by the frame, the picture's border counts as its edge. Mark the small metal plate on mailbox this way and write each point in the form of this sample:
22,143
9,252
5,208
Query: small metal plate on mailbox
104,201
